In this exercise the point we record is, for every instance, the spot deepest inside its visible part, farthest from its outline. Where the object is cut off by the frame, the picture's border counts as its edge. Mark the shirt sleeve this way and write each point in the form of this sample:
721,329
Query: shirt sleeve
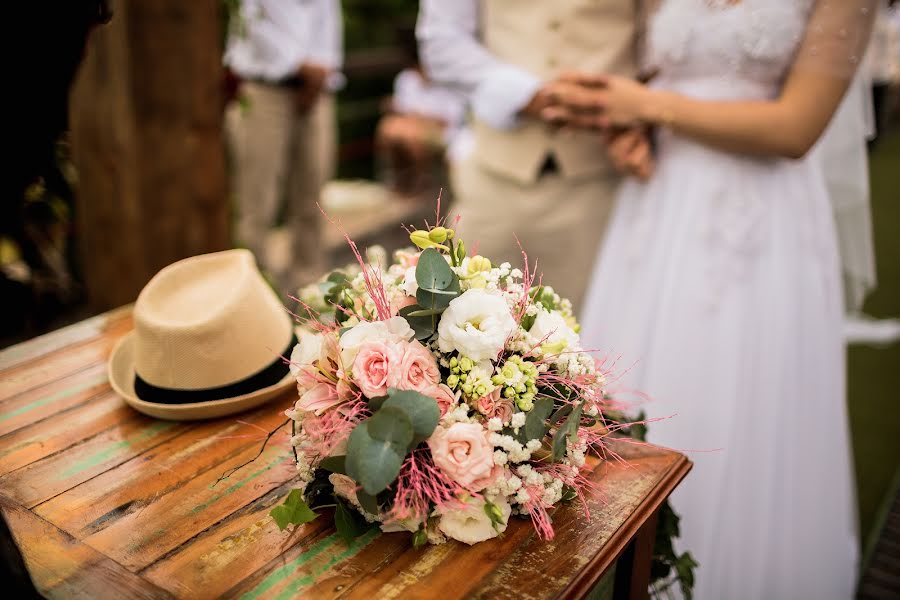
452,55
264,42
327,45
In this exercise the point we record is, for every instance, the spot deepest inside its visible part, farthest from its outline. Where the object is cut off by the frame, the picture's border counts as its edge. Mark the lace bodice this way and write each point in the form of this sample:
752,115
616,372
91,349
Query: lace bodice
744,48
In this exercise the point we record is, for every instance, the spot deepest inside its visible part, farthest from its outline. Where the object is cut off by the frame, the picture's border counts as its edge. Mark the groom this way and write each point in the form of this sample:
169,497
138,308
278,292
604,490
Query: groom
552,189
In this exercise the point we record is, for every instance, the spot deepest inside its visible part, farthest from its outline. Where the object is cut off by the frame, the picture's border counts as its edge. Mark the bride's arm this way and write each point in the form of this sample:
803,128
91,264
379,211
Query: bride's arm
789,125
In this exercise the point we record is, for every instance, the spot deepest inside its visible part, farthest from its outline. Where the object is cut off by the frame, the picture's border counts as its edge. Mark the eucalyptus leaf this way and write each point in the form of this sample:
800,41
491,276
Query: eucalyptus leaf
423,411
391,425
373,463
422,326
432,271
335,464
376,402
426,312
293,511
535,426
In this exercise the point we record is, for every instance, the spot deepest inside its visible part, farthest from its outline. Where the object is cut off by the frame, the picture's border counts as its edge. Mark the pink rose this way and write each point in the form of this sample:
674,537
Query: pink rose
463,452
418,370
397,305
407,259
445,397
486,404
373,365
503,410
318,398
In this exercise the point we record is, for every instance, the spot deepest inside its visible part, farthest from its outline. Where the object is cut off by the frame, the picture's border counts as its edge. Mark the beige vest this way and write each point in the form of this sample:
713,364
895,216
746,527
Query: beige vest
546,37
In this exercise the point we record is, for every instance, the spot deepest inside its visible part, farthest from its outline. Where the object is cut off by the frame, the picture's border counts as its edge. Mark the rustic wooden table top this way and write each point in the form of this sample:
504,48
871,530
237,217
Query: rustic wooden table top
107,503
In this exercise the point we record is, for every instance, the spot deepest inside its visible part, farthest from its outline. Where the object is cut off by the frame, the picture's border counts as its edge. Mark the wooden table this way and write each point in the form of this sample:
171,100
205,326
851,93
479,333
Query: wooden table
107,503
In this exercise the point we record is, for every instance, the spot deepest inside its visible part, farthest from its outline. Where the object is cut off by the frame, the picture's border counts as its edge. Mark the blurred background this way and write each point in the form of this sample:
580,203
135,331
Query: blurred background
134,133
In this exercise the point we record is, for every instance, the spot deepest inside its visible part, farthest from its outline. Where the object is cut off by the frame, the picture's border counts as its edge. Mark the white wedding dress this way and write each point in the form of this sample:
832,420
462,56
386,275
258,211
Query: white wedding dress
718,284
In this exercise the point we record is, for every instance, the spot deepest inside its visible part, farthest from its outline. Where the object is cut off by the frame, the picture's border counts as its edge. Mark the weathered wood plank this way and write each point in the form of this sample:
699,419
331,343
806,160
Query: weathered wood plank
50,399
139,538
57,366
162,470
233,550
65,337
66,429
62,567
55,474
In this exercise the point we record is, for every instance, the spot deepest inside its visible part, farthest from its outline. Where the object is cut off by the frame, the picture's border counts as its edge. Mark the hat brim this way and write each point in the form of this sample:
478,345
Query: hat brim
121,378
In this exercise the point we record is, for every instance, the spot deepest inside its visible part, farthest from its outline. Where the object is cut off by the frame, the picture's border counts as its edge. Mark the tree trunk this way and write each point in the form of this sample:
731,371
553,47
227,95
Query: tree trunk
146,126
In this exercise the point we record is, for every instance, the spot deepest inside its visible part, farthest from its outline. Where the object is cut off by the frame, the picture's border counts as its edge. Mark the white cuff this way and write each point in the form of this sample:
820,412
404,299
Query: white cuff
502,94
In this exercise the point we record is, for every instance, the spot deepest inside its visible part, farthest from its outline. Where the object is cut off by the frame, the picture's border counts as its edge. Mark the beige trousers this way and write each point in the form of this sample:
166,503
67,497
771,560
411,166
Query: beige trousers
559,221
281,159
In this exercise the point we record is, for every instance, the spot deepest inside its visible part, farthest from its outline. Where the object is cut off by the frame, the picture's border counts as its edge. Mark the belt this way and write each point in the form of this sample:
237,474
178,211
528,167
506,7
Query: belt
293,82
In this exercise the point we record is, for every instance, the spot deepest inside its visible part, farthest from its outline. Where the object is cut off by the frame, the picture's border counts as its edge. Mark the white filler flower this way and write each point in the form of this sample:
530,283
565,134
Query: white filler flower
476,324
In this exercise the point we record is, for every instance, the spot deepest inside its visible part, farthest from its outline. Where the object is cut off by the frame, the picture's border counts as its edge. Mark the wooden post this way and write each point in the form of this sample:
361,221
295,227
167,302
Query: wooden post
146,126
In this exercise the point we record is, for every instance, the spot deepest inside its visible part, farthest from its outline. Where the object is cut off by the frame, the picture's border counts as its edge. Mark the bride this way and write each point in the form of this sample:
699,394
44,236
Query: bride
720,277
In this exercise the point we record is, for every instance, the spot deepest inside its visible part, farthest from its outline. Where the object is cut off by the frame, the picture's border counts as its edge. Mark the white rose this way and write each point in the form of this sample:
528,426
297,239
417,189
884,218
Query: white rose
305,352
471,524
477,324
395,329
410,285
410,525
550,328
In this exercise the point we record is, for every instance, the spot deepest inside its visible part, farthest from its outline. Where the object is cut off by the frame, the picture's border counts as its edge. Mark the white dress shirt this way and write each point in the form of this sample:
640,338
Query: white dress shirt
453,55
273,38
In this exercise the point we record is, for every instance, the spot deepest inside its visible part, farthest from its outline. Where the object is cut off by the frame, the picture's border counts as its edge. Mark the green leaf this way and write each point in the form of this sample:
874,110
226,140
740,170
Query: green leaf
335,464
535,426
435,299
426,312
337,277
423,411
568,429
374,464
432,271
422,326
349,523
293,511
392,426
367,501
375,403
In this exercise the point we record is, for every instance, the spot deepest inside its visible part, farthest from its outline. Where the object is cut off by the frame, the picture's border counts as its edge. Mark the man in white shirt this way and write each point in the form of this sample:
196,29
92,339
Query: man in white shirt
551,189
287,55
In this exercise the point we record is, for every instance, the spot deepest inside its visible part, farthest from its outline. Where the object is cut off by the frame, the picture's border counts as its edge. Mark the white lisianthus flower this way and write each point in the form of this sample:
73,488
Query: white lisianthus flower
305,352
551,329
410,285
476,324
471,524
395,329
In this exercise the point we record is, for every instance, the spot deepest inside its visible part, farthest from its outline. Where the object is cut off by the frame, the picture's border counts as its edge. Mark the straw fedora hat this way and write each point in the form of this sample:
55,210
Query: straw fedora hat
208,338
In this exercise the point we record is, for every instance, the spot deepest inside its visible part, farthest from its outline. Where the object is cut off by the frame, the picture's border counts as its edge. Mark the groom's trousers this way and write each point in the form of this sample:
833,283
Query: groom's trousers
558,220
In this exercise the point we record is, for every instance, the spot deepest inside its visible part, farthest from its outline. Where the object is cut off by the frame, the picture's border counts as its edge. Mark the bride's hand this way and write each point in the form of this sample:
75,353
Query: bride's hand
599,102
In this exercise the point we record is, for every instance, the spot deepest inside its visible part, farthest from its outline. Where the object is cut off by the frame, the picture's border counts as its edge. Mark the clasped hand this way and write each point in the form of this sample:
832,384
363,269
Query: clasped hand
606,104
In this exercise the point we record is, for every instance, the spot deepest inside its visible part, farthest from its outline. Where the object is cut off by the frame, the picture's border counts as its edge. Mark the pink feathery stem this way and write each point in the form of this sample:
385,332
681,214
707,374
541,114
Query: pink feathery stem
371,276
543,525
422,486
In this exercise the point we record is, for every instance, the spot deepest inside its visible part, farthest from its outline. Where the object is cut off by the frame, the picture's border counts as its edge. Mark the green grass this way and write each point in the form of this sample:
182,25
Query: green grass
874,373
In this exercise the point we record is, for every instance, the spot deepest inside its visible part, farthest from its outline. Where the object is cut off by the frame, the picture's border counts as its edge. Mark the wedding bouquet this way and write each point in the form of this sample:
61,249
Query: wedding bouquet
439,395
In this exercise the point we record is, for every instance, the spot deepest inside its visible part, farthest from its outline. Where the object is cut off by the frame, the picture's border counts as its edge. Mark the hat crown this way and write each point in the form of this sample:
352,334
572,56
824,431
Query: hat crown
208,321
